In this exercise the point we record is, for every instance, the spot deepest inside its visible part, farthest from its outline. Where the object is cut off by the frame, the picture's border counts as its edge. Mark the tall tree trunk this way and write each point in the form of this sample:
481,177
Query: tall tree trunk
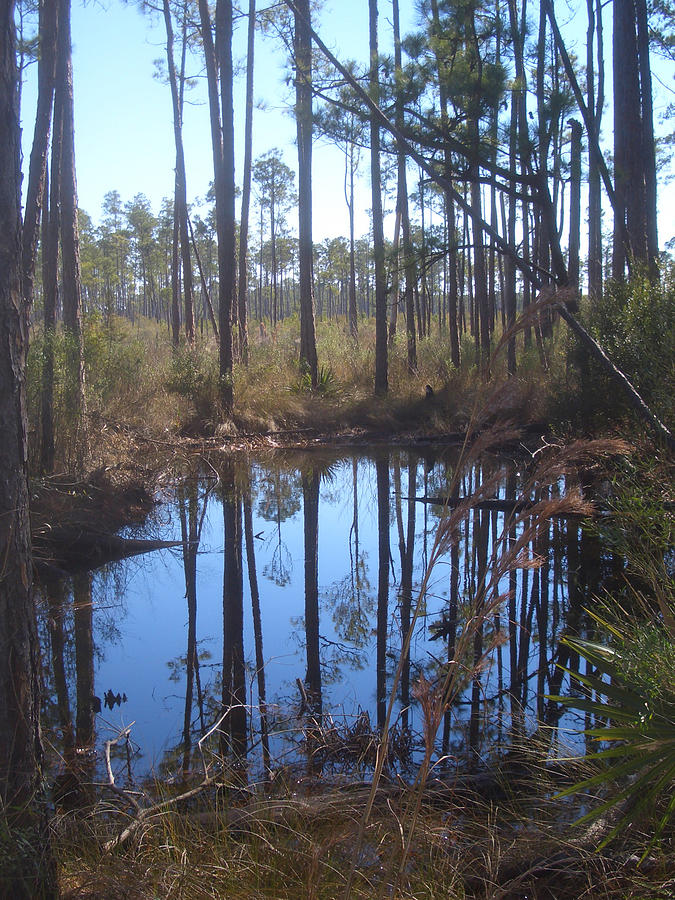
180,193
479,270
403,207
628,176
20,742
70,245
303,118
510,298
242,286
50,265
595,101
648,151
353,311
222,141
381,360
38,156
575,204
227,293
395,256
443,74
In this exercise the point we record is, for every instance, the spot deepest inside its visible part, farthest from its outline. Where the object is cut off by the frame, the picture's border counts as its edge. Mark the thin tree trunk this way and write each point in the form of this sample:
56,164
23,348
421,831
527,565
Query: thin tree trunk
242,286
205,287
381,360
596,98
70,246
353,311
409,266
180,194
575,204
303,117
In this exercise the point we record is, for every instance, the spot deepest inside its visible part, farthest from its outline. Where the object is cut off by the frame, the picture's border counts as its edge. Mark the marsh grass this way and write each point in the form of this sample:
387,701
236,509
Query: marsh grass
311,838
301,844
137,384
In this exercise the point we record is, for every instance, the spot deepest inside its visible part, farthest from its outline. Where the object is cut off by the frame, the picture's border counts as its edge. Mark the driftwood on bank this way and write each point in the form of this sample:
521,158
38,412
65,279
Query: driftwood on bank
71,549
74,522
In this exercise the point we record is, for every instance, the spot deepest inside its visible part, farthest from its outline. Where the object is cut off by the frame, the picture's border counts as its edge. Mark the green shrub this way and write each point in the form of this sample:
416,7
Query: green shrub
116,360
193,374
635,323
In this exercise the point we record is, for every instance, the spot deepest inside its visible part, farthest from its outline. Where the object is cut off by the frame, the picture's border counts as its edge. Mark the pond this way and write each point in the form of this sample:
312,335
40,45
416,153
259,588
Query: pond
283,615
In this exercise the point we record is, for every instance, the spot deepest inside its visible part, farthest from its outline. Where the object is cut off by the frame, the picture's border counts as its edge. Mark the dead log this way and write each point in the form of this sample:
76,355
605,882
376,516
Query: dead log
71,548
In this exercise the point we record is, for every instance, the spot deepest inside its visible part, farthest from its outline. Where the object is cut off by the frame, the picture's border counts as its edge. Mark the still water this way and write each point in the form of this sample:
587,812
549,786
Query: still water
283,614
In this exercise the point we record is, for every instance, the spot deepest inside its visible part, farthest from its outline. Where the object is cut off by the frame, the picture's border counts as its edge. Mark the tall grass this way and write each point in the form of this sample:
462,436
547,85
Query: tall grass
138,383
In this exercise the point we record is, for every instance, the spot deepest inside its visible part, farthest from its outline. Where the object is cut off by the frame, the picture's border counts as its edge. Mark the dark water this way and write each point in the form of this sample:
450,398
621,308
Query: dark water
284,614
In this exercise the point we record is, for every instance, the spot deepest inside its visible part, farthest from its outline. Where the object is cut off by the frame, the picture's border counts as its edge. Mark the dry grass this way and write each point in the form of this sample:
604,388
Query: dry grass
140,390
302,846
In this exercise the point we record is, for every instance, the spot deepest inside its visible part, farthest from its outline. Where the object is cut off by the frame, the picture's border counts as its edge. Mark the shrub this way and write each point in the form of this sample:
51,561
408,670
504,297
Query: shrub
631,688
635,323
193,374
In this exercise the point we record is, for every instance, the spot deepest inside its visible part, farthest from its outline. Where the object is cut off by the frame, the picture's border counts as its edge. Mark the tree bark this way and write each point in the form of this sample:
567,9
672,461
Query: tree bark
227,267
38,156
628,177
381,359
648,151
596,100
575,204
50,264
242,286
303,117
222,142
32,876
70,245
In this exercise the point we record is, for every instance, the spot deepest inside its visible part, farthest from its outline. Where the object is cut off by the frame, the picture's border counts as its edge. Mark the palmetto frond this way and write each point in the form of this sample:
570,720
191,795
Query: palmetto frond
636,731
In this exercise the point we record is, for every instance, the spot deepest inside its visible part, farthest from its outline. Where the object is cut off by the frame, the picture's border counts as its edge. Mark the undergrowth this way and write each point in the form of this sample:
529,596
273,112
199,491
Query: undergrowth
136,381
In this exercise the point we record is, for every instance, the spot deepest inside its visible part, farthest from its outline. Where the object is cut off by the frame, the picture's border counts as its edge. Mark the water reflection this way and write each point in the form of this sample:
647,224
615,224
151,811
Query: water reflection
321,560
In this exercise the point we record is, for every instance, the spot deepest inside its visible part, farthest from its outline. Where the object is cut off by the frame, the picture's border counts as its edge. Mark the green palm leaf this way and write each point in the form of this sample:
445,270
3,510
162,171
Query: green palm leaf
640,730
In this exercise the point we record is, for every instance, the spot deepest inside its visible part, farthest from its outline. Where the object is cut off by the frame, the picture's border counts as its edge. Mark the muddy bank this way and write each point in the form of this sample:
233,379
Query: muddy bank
74,522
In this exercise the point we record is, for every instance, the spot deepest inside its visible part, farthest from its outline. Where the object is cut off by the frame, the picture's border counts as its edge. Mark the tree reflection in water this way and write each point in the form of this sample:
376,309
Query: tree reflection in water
319,643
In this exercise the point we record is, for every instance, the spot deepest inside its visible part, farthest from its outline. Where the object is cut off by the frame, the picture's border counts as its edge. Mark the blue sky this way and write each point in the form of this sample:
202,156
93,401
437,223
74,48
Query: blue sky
123,124
124,137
